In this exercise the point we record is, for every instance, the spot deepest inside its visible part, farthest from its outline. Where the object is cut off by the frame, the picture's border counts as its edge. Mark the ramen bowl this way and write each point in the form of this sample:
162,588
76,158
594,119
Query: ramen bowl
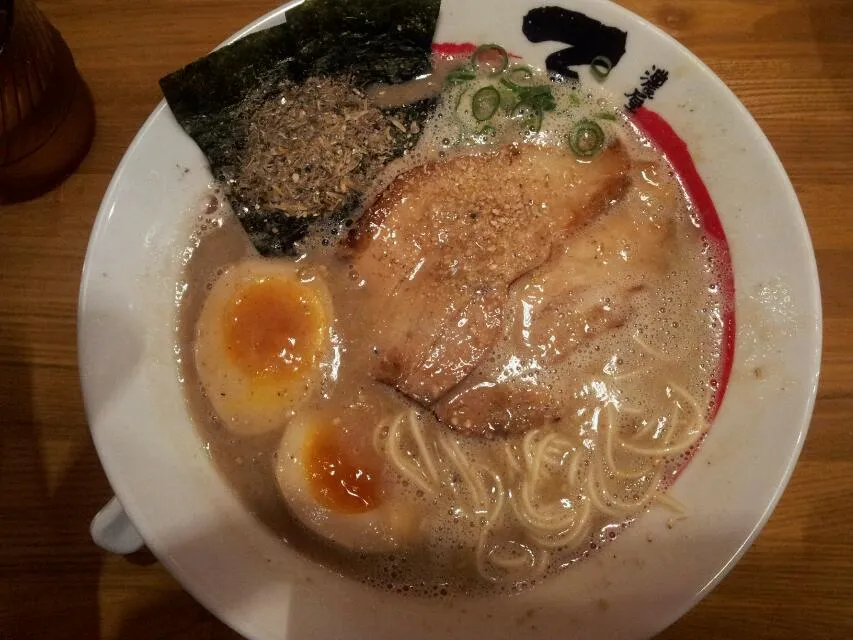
170,495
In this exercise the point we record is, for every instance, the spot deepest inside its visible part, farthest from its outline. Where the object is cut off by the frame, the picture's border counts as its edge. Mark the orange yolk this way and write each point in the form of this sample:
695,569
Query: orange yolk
337,481
273,328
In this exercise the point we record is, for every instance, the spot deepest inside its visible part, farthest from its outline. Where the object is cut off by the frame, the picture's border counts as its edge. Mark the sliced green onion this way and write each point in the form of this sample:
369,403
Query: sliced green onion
459,99
586,139
529,114
605,115
509,84
508,98
538,95
460,75
520,72
487,130
485,102
504,57
600,67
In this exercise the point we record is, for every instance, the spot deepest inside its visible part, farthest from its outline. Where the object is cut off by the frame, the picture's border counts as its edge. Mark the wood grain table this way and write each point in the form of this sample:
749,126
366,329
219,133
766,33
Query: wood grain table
789,61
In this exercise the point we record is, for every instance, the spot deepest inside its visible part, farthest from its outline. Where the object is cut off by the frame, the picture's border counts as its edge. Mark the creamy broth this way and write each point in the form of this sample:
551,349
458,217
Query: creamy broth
593,392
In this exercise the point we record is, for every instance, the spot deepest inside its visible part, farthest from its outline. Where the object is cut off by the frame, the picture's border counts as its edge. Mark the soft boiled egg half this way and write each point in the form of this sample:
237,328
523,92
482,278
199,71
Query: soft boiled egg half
261,337
338,489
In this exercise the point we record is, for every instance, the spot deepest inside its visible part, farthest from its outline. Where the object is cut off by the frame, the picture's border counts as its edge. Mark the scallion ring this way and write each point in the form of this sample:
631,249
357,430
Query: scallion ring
483,49
539,96
462,94
520,72
529,114
460,75
487,130
600,67
485,102
606,115
586,139
512,86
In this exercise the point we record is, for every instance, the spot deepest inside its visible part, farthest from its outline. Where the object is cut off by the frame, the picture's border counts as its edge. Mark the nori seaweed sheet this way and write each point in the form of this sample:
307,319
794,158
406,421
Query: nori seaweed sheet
367,41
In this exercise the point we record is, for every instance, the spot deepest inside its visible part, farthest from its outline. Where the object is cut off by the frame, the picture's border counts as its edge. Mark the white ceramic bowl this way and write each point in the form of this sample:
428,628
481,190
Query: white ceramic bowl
634,588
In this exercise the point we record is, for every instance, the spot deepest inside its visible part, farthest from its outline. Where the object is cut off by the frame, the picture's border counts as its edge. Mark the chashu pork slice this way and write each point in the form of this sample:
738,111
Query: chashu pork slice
440,247
585,288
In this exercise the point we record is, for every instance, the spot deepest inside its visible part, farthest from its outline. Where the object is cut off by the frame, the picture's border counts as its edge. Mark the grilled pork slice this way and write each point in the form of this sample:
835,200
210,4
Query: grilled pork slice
588,286
440,247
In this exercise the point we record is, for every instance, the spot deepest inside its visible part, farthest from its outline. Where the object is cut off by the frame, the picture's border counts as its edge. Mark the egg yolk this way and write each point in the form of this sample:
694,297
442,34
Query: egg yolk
337,480
273,328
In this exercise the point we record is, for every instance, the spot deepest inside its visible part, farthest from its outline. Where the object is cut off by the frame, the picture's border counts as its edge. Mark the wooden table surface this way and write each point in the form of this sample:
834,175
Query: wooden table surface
789,61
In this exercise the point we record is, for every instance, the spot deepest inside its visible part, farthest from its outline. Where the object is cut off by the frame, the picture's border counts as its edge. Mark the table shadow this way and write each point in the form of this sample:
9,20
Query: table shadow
50,568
